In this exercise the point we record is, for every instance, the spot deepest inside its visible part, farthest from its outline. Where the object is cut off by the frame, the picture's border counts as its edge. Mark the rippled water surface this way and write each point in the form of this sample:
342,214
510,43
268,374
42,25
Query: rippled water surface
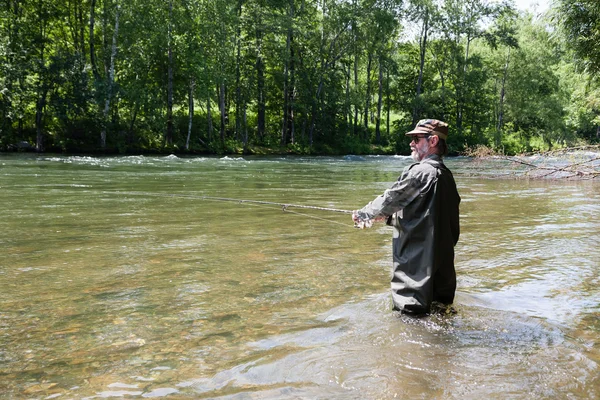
117,279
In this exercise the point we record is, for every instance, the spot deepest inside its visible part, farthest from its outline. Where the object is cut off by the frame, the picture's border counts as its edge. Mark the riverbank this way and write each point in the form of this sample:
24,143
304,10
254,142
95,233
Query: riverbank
229,148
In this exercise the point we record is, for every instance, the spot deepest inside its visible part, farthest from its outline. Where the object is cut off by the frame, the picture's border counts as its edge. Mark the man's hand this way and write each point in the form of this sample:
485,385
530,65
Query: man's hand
365,223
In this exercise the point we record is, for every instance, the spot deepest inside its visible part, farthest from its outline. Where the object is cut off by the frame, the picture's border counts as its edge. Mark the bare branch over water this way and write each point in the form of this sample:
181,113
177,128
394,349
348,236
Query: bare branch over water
569,163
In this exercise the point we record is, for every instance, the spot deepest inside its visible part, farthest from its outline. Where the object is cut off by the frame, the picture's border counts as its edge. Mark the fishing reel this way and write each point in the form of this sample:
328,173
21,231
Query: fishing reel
363,224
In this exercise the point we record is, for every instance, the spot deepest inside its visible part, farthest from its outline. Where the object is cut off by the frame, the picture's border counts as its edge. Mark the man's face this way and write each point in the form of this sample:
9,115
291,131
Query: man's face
419,147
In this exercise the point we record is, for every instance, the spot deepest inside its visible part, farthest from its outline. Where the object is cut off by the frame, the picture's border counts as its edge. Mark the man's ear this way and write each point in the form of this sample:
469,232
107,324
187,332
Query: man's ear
435,139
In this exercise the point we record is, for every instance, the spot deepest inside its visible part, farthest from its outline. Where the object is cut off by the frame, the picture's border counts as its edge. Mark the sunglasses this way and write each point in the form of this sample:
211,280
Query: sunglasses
417,138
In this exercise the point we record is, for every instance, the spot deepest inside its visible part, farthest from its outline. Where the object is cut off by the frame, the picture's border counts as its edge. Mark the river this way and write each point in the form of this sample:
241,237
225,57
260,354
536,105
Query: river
118,280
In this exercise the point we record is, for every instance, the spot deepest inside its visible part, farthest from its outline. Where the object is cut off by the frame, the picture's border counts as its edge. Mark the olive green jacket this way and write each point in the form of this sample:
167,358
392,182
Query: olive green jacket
423,208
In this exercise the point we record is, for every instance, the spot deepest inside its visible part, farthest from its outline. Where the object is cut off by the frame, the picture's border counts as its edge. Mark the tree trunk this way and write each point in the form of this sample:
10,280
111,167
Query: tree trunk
287,131
111,77
209,118
347,110
313,119
169,136
355,124
43,85
39,118
460,92
379,102
501,101
222,107
368,94
260,82
292,93
245,127
422,53
105,40
92,48
284,122
356,57
136,108
73,23
440,67
238,78
387,104
190,113
304,121
13,40
81,30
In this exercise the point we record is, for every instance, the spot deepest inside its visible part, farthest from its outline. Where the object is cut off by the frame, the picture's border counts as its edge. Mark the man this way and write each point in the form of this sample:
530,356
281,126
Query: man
422,206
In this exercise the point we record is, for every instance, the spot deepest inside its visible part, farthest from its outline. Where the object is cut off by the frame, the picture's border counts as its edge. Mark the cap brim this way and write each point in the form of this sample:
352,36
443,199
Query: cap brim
418,131
426,132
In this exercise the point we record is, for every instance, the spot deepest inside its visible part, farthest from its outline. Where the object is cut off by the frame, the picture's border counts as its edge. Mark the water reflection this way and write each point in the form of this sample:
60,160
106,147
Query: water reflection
105,294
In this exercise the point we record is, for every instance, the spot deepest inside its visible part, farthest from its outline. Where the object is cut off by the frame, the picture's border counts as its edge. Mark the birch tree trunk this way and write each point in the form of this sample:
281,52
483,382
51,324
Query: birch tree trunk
368,94
440,65
43,86
423,49
388,102
111,77
169,135
238,83
355,123
287,130
379,102
191,113
292,93
284,121
501,101
260,83
92,44
347,110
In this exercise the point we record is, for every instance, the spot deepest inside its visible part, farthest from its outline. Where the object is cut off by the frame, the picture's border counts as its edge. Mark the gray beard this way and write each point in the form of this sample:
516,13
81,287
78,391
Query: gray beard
415,154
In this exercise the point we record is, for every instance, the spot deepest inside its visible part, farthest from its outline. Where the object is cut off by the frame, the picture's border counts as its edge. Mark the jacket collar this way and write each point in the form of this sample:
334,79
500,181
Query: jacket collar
432,158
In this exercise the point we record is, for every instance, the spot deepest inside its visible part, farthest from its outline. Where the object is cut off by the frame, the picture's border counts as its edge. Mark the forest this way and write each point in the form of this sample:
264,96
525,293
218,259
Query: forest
295,76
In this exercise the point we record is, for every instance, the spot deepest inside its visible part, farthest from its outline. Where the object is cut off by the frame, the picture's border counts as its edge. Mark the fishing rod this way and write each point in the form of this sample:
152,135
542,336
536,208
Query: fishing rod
284,206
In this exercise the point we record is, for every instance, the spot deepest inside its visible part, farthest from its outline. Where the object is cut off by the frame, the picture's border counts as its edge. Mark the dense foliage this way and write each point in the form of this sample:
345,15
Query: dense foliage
327,76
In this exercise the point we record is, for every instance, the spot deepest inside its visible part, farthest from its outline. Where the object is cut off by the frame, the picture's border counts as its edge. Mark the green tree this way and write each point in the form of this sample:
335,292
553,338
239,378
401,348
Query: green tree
580,23
534,101
303,75
580,20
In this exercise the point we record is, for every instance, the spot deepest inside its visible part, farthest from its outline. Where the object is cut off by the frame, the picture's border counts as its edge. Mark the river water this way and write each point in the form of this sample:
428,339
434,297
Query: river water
118,280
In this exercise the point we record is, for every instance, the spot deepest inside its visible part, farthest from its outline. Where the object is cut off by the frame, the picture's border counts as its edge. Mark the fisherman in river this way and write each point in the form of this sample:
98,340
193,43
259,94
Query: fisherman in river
422,206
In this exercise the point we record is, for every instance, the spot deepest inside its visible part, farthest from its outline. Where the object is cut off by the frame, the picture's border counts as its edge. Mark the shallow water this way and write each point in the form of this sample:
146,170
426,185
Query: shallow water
117,279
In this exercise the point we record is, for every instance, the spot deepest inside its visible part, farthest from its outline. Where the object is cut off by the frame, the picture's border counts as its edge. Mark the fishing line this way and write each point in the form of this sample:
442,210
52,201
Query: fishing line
270,207
284,206
319,218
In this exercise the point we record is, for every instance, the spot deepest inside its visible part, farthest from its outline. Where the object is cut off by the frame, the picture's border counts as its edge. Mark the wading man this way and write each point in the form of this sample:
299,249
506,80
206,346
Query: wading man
422,206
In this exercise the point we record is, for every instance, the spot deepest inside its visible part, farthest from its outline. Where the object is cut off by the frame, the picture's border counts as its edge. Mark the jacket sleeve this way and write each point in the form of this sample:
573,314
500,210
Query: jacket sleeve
402,193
